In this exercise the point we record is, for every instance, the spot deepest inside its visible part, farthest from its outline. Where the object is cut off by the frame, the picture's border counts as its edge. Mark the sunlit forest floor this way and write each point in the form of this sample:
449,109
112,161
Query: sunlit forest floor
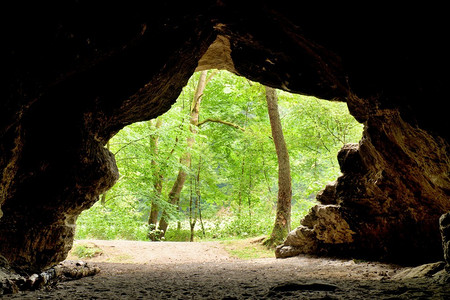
210,270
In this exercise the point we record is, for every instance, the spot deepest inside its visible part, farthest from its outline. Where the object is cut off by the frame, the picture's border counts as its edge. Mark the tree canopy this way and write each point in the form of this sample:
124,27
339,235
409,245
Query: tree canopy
231,183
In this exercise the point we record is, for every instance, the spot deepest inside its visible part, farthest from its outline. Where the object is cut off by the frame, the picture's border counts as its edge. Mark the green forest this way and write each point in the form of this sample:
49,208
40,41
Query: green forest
228,160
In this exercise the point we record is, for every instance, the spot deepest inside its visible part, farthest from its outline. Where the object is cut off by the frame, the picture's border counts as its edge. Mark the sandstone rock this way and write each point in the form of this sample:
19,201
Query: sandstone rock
283,251
330,226
299,240
350,160
328,194
11,282
323,225
426,270
301,237
444,223
387,191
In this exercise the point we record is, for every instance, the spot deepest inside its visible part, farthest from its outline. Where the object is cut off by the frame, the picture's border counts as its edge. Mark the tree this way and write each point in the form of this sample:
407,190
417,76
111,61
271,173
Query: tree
234,168
174,195
283,214
157,181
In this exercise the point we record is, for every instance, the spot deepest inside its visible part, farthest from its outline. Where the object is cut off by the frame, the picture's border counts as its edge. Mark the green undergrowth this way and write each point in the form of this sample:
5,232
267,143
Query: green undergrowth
251,248
125,222
86,251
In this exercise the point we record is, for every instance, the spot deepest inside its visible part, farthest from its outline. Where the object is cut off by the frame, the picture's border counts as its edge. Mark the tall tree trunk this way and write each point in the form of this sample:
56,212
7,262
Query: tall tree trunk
103,198
192,218
185,160
199,198
249,195
283,213
266,177
194,205
179,213
157,184
174,196
241,187
241,182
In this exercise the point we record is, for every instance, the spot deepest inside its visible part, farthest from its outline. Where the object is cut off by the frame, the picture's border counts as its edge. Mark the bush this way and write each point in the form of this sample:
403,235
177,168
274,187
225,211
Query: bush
178,235
112,221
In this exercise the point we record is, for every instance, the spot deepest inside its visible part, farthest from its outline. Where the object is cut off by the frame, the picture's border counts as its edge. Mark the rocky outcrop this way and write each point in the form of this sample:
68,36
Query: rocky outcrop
67,97
75,75
390,194
444,223
324,225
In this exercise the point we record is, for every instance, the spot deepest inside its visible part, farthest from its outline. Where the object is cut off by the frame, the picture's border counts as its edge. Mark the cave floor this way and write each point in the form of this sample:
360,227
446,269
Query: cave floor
142,270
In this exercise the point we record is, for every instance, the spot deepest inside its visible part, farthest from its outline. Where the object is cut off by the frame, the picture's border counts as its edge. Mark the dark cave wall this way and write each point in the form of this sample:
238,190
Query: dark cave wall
89,73
390,69
387,203
77,72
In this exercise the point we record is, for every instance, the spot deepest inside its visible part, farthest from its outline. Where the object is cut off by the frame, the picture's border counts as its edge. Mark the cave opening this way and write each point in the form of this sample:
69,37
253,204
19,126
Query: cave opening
75,76
231,184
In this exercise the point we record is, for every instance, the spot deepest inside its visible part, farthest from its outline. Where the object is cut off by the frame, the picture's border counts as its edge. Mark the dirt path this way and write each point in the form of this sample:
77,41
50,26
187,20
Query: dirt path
137,252
145,270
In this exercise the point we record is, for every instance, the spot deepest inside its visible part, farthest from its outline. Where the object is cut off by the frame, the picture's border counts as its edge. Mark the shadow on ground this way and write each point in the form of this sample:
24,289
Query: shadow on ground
220,277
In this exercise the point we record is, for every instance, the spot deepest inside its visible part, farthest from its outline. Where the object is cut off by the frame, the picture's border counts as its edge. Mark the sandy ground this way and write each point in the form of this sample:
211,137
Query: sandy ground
137,252
171,270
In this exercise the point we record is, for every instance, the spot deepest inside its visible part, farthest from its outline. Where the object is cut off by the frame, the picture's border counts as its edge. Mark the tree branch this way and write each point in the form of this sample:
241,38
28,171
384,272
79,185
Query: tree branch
131,142
211,76
221,122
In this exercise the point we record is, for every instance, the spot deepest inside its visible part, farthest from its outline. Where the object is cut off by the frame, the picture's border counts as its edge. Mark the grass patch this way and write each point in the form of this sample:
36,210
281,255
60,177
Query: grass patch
251,248
86,251
178,235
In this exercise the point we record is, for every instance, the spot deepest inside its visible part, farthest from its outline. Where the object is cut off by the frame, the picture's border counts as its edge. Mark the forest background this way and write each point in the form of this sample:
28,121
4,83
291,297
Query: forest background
231,180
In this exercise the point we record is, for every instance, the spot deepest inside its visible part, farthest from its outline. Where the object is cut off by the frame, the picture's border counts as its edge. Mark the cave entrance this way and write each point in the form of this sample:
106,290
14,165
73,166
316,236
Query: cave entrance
230,184
100,72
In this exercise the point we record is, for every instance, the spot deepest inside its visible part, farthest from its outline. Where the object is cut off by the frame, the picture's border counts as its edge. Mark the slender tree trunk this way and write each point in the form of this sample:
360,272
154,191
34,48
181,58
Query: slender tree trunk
241,182
175,192
283,214
241,187
199,198
154,210
192,218
249,195
266,177
157,184
179,213
174,196
103,198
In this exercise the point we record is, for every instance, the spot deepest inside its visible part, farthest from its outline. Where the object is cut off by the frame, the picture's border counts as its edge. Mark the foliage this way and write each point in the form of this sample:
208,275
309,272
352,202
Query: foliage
234,169
249,248
119,219
155,234
86,251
